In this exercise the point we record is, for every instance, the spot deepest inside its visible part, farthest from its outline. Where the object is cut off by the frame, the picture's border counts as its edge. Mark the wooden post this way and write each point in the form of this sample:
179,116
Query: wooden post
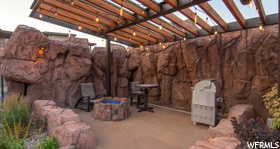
109,63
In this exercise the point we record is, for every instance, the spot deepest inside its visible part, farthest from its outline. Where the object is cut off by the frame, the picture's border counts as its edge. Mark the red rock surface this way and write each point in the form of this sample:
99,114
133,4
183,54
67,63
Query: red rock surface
244,63
241,113
56,74
217,143
65,125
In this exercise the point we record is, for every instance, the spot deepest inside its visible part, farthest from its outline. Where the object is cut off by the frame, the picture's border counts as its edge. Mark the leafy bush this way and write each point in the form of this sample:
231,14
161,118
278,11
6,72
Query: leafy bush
49,143
11,142
272,104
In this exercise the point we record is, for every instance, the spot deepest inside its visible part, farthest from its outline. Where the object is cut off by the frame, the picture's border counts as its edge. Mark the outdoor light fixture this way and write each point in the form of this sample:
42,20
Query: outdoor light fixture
121,11
41,51
97,19
40,16
261,28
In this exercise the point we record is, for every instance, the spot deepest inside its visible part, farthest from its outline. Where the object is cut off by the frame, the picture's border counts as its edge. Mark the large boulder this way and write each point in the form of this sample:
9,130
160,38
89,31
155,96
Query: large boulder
224,128
53,72
217,143
241,112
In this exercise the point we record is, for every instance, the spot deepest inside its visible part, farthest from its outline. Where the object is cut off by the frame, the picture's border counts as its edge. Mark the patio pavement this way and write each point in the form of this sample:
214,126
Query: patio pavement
159,130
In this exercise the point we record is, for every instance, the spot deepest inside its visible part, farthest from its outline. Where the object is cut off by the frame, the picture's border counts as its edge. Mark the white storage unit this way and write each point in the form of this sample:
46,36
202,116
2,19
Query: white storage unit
203,103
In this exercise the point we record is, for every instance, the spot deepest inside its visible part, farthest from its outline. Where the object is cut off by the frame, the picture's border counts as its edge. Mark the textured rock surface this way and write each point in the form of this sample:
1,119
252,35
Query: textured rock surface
217,143
224,128
241,113
55,74
65,125
244,63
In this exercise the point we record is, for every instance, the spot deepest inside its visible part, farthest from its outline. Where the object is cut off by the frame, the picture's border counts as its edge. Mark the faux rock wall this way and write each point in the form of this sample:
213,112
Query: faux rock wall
55,74
243,63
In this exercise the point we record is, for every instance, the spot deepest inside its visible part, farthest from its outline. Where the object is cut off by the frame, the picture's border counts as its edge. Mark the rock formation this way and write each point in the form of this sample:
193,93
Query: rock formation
243,63
45,69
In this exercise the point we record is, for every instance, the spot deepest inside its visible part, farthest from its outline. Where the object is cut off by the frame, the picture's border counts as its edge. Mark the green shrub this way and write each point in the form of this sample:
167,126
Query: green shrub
48,143
272,104
11,142
15,117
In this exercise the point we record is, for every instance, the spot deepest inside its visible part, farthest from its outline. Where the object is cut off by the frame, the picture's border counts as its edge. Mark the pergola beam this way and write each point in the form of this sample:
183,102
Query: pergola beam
260,10
235,12
176,20
168,27
139,34
207,8
191,15
163,11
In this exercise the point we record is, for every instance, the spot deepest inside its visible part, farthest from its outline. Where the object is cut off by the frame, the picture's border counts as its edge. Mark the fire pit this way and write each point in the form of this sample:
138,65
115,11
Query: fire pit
111,109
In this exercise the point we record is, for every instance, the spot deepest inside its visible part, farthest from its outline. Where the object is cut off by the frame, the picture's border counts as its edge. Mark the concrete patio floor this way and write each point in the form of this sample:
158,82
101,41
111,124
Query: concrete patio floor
159,130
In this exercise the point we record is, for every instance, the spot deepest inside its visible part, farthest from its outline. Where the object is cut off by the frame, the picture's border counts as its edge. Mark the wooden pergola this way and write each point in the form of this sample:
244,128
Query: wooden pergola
145,22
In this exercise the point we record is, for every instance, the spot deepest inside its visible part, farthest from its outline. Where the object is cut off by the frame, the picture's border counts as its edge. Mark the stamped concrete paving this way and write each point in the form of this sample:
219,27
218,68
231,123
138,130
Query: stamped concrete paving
159,130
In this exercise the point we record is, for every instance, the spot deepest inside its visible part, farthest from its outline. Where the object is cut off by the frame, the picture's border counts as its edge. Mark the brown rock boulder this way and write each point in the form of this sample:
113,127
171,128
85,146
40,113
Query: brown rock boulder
241,112
224,128
217,143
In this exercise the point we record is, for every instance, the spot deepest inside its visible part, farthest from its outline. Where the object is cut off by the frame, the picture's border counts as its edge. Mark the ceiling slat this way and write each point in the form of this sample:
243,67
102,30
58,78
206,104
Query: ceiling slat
176,20
139,34
171,2
156,29
235,12
66,19
260,10
168,27
191,15
118,36
214,15
147,32
141,12
129,36
77,11
152,5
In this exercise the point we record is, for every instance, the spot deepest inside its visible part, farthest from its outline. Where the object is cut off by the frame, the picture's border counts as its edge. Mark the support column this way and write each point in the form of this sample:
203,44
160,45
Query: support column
109,63
278,49
2,88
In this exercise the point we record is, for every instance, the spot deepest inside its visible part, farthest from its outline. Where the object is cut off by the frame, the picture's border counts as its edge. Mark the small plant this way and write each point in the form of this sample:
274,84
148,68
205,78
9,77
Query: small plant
48,143
11,142
272,104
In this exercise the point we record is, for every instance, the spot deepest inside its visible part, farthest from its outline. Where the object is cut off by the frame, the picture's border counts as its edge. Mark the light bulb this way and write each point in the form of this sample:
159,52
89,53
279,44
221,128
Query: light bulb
163,47
184,38
134,34
55,13
121,11
40,16
195,18
72,3
215,33
160,43
261,28
97,19
80,28
160,27
115,38
141,46
251,4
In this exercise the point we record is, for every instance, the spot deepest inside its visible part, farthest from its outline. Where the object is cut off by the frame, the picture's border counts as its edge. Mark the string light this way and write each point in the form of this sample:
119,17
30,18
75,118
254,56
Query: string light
215,33
160,27
141,46
72,3
163,47
97,19
121,11
184,38
160,43
195,16
40,16
115,38
55,14
80,28
251,4
134,33
261,28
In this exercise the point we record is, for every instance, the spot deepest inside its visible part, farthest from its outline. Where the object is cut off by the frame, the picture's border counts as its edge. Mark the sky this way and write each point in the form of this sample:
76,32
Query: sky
16,12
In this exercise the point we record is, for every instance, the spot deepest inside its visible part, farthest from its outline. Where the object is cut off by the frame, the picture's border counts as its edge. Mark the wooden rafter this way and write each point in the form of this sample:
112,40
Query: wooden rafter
73,9
176,20
152,5
235,12
260,10
207,8
109,7
66,19
121,37
100,12
168,27
141,12
68,14
156,29
139,34
191,15
171,2
135,38
147,32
